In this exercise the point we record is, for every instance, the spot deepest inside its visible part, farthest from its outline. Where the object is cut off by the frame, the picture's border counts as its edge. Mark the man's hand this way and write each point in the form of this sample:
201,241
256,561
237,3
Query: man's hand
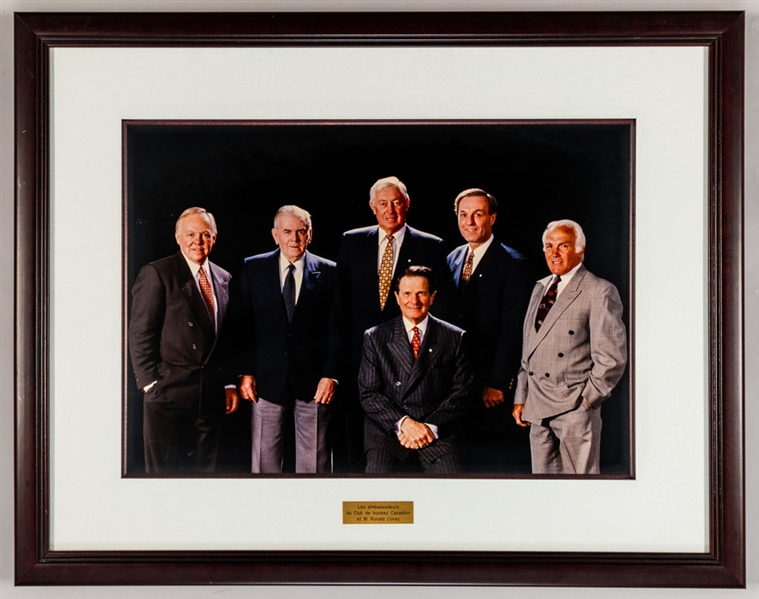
232,400
415,435
325,391
246,384
492,397
517,414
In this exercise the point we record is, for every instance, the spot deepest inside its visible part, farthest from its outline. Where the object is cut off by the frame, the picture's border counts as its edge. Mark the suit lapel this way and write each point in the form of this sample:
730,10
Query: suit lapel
565,299
427,353
483,267
311,276
192,296
400,346
221,290
272,282
457,264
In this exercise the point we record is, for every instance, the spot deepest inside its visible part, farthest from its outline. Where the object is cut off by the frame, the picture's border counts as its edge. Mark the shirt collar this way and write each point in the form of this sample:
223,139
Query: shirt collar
284,263
194,267
565,278
397,236
481,249
422,326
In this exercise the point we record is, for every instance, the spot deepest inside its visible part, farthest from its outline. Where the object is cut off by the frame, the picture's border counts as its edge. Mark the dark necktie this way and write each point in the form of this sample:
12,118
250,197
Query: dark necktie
288,292
466,274
416,342
549,299
207,293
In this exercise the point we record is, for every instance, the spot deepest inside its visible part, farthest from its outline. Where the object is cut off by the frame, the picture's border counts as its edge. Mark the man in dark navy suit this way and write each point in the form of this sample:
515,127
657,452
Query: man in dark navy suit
415,382
286,308
368,261
492,291
180,351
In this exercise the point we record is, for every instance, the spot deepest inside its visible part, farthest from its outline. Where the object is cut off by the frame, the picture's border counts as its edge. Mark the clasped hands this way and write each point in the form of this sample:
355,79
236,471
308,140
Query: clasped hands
415,435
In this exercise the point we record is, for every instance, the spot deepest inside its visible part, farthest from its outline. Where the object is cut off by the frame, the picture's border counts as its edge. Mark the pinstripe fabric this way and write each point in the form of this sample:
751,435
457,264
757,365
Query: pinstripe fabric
434,389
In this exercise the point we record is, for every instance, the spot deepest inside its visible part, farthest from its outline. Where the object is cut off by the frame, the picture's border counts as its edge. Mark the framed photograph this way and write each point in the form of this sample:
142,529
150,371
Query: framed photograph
632,123
242,172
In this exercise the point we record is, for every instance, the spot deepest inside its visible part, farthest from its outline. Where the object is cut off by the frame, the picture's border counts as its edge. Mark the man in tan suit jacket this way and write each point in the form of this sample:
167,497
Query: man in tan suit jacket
573,355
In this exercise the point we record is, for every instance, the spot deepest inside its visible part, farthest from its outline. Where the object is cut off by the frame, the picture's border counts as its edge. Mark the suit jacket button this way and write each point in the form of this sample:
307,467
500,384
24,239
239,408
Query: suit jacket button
571,332
530,373
190,324
547,374
397,383
194,346
561,355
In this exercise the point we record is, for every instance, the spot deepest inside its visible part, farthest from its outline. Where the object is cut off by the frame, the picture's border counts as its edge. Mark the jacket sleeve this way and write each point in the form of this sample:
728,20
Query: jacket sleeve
459,399
146,324
376,404
608,345
514,301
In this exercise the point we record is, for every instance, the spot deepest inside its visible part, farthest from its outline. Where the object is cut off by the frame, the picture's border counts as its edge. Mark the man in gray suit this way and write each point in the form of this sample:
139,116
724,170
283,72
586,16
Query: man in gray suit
415,384
574,354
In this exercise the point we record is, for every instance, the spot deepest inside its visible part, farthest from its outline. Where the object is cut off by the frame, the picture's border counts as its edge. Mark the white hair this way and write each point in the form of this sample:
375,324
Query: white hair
196,210
296,211
388,182
568,224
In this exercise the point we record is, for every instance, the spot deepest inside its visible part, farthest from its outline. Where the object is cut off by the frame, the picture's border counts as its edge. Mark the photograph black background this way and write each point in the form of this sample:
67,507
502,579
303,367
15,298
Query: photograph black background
242,172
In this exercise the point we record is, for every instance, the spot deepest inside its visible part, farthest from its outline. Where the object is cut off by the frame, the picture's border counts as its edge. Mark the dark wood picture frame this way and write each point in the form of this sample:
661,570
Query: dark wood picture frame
721,33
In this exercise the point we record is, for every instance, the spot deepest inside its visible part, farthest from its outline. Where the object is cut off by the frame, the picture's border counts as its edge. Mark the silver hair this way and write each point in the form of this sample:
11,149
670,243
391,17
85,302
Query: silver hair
196,210
569,224
388,182
296,211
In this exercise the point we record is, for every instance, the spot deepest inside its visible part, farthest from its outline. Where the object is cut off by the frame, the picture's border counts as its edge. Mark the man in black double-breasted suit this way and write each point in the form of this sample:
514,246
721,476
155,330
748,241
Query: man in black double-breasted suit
180,350
289,340
492,289
368,260
415,384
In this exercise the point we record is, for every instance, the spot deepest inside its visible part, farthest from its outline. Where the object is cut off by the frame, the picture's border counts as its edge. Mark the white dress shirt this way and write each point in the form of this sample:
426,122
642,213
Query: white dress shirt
409,326
300,267
565,278
479,252
398,237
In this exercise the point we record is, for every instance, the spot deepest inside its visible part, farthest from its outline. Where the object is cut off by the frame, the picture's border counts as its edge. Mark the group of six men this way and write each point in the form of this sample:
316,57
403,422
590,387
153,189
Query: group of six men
441,393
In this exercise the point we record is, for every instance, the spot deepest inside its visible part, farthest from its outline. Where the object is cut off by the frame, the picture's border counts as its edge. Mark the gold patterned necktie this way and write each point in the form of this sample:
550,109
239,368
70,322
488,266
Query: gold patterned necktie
386,272
466,274
416,342
207,293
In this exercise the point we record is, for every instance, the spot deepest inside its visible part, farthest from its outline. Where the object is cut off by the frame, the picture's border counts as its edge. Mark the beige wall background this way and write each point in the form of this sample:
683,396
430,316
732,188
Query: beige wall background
7,7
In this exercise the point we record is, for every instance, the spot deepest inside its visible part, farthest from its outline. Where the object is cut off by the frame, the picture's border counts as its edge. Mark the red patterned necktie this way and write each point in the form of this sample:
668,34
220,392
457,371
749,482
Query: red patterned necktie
416,342
207,293
547,302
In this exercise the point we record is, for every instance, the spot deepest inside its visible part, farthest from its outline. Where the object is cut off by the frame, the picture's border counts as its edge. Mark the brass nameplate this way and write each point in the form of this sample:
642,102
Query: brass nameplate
385,512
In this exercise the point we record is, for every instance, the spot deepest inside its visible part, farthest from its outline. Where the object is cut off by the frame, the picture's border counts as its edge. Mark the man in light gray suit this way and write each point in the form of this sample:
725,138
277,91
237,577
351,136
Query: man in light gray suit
415,384
573,355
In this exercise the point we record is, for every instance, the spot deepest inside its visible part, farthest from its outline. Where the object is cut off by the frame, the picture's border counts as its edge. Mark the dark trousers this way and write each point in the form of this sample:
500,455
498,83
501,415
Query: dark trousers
496,444
380,461
347,440
179,440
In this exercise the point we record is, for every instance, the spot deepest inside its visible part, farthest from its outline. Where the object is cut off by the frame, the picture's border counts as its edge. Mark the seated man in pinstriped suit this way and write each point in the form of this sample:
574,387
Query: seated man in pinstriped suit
415,384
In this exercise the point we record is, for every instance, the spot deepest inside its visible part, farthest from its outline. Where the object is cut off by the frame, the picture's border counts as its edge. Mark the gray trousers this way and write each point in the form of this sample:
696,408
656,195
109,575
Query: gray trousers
267,436
569,443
